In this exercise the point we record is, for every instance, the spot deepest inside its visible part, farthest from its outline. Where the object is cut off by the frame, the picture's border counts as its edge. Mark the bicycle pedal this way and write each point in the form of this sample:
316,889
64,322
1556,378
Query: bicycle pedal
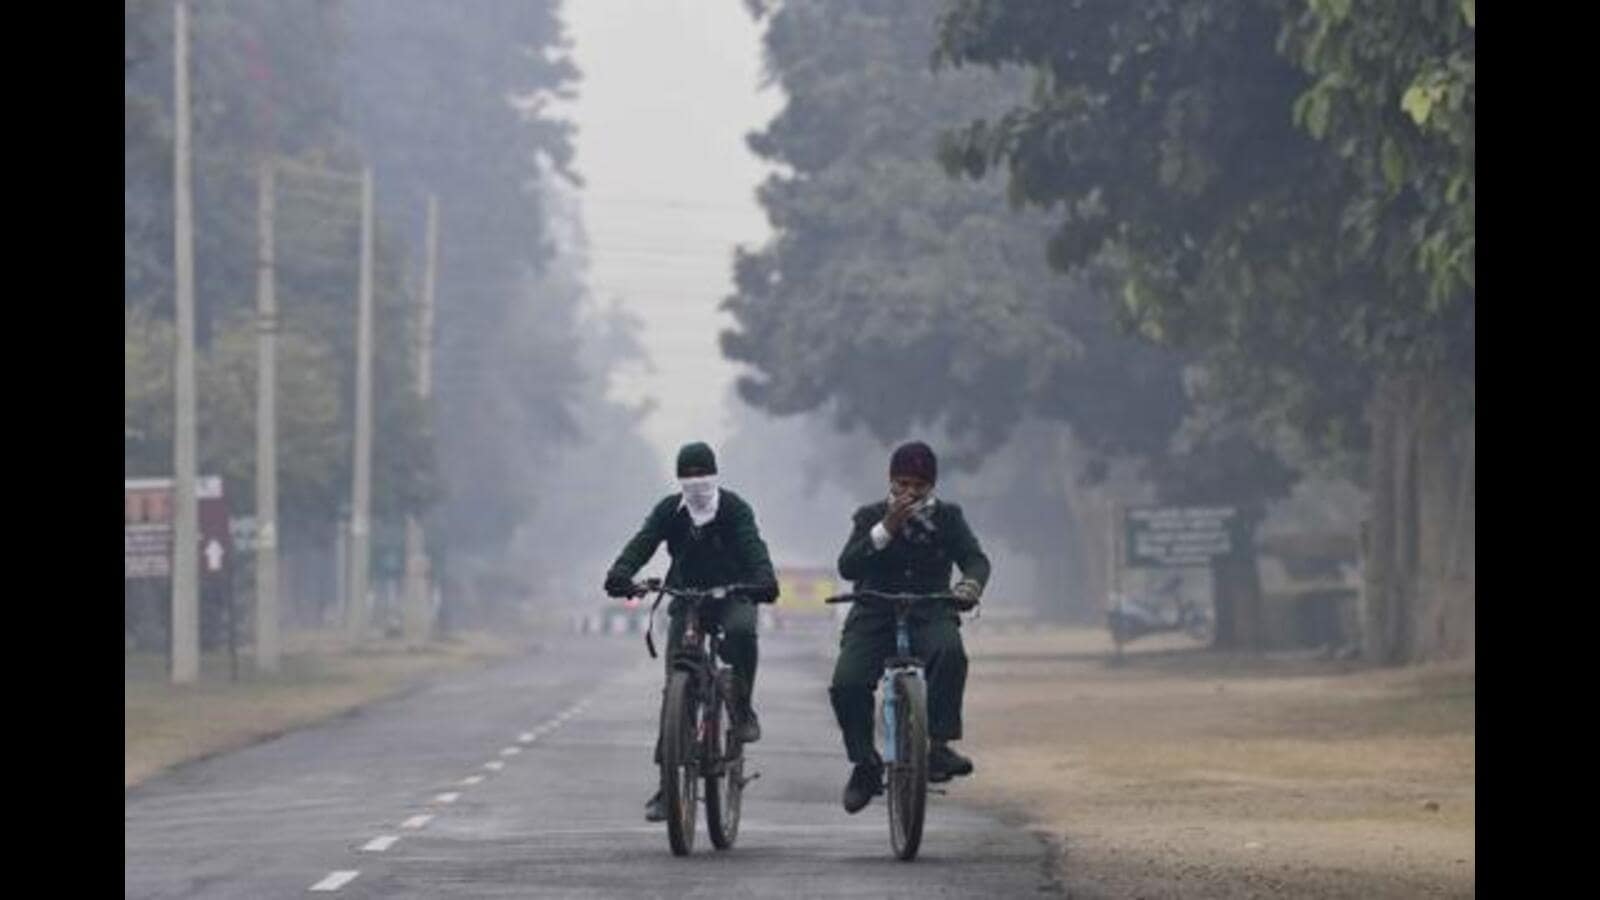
940,791
749,778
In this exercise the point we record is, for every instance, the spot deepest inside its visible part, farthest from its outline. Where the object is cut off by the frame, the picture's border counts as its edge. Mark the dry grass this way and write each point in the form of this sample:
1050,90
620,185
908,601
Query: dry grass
1186,773
165,724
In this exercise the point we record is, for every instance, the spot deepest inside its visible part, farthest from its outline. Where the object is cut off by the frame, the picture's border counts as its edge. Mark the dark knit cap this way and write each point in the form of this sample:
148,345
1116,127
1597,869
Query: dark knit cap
915,459
697,455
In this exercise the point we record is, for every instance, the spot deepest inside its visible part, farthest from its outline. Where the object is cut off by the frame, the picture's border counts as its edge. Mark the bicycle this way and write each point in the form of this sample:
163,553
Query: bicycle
697,735
905,723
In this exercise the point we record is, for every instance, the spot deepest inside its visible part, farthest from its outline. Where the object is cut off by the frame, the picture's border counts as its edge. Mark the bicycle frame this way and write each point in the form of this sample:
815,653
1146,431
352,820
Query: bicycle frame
902,665
700,696
698,653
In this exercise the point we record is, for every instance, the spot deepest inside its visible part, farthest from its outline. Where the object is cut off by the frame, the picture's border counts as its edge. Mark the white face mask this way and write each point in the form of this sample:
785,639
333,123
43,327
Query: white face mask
700,496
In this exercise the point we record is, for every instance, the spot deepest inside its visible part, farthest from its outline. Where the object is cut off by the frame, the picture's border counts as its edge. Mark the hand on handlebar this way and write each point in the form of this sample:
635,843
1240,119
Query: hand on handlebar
966,592
619,586
756,592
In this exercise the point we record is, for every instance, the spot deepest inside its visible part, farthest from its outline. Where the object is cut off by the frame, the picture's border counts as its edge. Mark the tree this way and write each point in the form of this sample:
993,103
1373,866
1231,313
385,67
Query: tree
897,299
1317,268
264,84
900,297
453,102
1394,97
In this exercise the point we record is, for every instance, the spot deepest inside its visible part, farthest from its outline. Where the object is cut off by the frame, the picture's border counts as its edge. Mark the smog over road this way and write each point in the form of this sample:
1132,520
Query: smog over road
799,448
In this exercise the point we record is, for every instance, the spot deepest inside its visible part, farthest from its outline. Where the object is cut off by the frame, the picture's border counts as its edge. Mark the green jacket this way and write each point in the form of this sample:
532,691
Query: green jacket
915,561
726,550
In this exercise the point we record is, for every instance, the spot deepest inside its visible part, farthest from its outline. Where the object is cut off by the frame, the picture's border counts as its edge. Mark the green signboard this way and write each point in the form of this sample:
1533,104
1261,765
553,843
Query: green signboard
1166,537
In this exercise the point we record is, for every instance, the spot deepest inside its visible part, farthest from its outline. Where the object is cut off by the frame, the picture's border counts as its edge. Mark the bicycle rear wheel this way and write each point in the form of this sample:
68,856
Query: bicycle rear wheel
725,764
679,769
908,774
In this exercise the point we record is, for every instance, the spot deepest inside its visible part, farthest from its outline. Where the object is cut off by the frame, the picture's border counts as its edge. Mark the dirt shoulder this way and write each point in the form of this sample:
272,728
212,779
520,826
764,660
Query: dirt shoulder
1184,773
166,724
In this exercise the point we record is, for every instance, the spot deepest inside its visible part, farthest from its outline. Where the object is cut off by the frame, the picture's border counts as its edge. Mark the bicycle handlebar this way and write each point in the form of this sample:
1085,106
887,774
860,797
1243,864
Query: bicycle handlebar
713,593
856,596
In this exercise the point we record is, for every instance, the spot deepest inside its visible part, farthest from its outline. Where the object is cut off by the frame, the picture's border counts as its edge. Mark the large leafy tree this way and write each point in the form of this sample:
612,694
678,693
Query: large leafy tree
1286,189
263,84
897,298
452,101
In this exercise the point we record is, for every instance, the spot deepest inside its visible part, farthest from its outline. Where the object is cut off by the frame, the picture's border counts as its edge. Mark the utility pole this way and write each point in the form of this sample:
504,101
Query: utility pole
266,429
416,593
361,493
185,540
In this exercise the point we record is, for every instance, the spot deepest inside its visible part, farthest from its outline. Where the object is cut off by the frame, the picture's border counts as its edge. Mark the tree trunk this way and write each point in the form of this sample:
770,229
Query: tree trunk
1419,585
1236,596
1089,530
1443,619
1384,603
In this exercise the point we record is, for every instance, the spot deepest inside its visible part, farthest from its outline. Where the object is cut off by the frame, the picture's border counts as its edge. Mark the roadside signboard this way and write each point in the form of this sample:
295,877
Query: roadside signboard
147,527
1163,537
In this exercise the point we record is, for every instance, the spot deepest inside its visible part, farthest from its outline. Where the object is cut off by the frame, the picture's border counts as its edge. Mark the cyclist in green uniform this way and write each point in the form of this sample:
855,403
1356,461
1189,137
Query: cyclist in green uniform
906,544
711,535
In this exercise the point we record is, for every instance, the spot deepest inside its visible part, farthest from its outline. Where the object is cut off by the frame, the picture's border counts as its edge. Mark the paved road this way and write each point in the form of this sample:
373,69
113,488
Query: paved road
527,779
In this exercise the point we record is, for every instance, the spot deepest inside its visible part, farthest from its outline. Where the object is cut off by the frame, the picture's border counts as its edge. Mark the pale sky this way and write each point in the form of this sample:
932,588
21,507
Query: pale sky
670,88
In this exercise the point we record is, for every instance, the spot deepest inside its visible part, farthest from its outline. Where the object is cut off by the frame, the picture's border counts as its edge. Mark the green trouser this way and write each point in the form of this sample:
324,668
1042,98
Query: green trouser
738,619
867,641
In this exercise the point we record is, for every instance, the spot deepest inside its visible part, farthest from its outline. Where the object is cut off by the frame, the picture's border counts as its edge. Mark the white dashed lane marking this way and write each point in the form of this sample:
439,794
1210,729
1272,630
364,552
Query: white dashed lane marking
336,880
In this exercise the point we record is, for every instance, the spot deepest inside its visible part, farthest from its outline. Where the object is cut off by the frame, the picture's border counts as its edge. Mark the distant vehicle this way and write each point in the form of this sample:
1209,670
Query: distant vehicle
804,590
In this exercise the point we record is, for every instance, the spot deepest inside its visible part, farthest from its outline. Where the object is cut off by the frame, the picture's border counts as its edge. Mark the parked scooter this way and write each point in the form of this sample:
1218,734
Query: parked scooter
1164,609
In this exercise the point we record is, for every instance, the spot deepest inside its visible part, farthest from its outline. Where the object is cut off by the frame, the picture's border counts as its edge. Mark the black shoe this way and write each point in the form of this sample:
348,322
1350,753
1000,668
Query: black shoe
746,727
654,809
866,782
944,763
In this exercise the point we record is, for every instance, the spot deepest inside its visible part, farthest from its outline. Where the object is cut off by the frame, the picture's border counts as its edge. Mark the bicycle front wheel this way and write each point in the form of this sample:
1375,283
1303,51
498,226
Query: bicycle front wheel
908,774
679,766
725,767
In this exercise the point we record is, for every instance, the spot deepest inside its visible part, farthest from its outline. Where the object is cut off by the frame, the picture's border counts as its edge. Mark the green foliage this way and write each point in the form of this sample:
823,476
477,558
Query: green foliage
461,113
1398,82
313,452
1251,170
263,81
901,300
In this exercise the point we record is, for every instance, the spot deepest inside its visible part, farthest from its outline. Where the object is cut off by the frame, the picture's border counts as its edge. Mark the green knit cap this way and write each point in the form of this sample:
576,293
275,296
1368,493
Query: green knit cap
697,455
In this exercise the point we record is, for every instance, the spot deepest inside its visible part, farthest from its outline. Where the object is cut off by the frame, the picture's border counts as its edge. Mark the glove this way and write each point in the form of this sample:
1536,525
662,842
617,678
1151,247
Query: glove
966,591
619,585
766,593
